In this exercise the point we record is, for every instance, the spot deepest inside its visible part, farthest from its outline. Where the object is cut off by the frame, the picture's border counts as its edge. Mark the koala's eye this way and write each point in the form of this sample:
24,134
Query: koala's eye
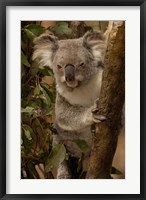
59,67
81,64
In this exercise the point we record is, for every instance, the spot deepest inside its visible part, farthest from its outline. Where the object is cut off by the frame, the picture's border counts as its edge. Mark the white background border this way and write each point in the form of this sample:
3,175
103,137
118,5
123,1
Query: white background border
129,185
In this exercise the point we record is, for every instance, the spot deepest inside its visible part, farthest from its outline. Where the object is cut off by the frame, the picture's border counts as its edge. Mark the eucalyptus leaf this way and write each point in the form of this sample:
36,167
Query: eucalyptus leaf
35,29
47,110
24,60
37,90
57,156
29,34
61,23
28,109
46,96
82,144
27,142
115,171
28,134
61,29
51,94
28,131
46,71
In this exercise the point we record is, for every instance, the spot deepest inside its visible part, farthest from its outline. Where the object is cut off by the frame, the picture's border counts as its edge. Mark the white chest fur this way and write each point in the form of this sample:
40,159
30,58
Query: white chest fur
84,95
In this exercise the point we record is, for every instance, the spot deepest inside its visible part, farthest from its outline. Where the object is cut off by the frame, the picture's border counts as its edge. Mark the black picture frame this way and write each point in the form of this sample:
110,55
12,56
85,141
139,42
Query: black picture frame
3,128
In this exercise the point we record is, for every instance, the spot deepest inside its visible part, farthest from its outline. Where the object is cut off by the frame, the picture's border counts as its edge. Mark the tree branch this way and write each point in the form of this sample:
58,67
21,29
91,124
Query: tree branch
110,104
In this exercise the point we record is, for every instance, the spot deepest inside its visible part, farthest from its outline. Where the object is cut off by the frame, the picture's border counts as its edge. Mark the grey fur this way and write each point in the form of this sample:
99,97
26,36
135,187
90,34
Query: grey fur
75,99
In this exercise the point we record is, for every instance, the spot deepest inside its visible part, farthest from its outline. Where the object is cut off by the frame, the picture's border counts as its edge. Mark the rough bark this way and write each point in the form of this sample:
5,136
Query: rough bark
110,104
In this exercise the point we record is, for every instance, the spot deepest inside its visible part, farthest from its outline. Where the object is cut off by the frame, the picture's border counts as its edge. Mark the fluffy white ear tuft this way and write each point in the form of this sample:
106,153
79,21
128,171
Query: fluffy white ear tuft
95,42
44,48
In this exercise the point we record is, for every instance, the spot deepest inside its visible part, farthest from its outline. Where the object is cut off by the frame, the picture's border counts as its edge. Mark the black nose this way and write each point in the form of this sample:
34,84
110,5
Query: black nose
69,73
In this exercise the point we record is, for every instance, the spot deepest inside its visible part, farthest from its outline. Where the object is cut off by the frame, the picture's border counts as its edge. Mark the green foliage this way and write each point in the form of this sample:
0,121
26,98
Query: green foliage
37,102
57,155
82,144
61,29
33,30
24,60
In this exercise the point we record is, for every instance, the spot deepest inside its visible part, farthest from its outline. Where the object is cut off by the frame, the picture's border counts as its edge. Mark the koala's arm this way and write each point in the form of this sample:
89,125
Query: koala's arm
72,117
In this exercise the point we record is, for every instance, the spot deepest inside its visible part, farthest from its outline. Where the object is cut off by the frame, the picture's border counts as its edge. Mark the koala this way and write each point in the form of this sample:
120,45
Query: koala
77,65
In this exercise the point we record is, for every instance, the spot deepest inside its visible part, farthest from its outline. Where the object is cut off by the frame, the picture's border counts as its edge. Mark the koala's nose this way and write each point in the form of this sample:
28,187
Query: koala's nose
69,73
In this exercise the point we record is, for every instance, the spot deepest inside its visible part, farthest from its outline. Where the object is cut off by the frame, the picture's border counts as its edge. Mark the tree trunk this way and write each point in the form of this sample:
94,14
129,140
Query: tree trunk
110,104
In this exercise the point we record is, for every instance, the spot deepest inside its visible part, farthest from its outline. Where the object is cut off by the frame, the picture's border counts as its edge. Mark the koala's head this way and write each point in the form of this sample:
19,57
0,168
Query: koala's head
74,61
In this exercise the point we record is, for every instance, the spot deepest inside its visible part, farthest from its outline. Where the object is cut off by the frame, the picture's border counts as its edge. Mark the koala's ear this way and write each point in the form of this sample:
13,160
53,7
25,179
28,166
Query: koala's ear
95,42
44,48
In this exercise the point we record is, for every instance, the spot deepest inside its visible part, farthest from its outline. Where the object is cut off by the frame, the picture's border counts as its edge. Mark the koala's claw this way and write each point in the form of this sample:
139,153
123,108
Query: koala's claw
97,118
100,117
63,171
95,110
64,176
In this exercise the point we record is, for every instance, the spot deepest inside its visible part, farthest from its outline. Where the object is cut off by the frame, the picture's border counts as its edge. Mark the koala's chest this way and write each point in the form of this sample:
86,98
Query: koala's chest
83,97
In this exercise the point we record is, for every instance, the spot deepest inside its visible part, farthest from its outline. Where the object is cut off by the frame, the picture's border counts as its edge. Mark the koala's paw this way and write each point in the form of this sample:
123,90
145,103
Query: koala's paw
63,176
97,118
63,171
